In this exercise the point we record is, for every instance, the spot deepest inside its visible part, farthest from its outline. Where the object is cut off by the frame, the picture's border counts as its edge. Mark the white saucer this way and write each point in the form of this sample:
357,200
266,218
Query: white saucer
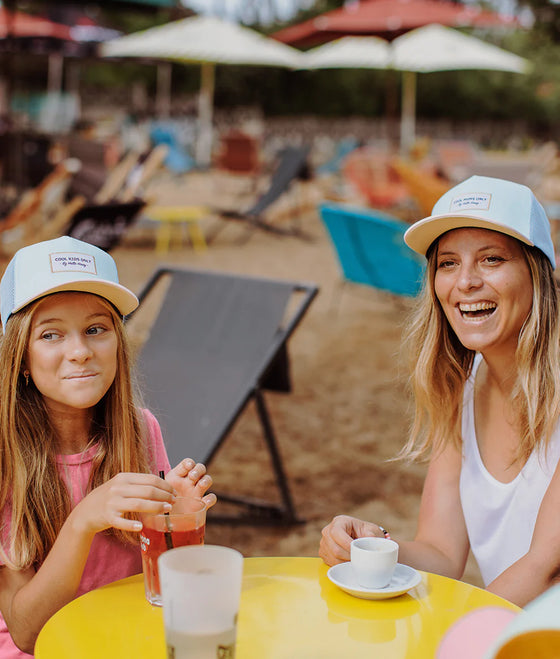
404,578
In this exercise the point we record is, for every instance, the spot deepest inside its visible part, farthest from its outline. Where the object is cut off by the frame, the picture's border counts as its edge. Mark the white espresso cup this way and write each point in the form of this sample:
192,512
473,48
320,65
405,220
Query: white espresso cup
374,561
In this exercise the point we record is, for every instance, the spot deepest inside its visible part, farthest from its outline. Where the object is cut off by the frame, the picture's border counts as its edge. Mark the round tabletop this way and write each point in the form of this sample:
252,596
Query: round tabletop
289,608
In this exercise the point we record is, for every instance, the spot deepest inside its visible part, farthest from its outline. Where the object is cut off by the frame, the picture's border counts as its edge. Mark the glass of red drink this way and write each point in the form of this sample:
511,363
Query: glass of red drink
183,525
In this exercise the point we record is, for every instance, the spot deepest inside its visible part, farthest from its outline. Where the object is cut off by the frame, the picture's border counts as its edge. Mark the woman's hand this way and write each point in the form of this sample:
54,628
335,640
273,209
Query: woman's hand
337,536
189,479
106,505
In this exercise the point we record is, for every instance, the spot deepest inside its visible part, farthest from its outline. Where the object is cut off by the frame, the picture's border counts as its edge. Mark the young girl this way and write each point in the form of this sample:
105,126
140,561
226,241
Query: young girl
78,457
485,358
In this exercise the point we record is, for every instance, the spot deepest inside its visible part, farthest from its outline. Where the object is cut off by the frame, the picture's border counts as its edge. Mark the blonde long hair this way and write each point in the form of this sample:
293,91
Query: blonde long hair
30,484
440,366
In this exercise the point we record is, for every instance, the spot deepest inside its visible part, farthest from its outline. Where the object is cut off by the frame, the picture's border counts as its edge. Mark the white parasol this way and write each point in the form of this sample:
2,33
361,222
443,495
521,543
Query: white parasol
426,49
208,41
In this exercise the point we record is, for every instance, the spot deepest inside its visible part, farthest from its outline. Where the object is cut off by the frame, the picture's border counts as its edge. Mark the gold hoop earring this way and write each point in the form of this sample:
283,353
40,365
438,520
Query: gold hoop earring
26,376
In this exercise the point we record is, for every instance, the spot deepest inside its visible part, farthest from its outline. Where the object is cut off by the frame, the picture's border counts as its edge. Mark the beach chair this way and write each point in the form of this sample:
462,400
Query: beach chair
370,248
343,149
45,197
41,213
292,166
218,341
104,221
177,159
239,153
455,159
368,172
424,186
104,225
123,182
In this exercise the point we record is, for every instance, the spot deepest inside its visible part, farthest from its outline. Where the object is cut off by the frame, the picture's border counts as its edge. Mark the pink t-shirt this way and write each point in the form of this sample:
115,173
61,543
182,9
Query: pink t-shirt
109,559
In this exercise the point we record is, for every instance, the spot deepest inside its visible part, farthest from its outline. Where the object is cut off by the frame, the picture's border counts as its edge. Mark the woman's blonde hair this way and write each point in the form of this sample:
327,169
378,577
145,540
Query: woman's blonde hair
440,366
30,484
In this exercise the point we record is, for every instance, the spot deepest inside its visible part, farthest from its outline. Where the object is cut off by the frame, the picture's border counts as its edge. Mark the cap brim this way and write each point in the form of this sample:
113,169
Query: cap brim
123,299
422,234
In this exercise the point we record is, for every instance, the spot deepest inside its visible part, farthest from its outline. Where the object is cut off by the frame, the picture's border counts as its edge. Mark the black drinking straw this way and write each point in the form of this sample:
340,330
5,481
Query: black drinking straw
168,538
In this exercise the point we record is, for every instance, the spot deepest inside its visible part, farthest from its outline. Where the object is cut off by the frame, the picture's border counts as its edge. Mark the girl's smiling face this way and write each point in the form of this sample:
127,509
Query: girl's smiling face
72,350
484,286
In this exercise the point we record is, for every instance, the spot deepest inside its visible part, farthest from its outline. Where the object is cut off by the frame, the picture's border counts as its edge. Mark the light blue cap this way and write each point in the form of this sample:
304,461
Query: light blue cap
63,264
486,203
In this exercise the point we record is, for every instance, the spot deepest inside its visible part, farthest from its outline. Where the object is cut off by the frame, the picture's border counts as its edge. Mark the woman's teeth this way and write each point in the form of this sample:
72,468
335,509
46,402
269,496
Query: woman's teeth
477,309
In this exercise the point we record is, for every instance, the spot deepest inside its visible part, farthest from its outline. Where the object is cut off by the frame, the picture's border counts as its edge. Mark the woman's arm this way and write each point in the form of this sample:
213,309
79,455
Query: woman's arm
440,545
28,598
539,568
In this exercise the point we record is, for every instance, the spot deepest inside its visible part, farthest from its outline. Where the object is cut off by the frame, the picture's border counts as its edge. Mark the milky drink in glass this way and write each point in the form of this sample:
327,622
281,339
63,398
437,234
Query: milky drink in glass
201,588
184,525
188,645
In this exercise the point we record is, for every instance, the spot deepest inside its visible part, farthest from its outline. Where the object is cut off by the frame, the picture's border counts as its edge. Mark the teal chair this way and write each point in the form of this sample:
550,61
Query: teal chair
371,250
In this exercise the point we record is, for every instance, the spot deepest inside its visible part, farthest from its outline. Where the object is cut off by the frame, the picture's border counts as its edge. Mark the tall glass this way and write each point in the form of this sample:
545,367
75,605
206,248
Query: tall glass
184,525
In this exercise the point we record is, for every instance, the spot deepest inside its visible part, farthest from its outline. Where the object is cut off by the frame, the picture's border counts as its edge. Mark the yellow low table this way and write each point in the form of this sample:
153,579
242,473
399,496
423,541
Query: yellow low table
169,216
289,610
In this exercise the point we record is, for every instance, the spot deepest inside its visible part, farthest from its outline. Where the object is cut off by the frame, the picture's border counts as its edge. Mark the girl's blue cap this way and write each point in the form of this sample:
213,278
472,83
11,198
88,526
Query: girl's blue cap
63,264
486,203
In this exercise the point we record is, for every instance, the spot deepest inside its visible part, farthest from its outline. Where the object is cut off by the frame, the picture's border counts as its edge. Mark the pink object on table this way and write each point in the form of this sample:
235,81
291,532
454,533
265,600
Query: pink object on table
473,634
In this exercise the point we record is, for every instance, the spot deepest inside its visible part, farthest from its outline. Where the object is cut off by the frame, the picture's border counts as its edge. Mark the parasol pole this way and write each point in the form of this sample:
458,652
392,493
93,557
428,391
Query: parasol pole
163,92
408,111
56,64
205,111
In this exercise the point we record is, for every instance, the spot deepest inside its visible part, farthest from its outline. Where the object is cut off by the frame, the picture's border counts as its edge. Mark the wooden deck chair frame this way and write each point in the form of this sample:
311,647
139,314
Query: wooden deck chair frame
217,342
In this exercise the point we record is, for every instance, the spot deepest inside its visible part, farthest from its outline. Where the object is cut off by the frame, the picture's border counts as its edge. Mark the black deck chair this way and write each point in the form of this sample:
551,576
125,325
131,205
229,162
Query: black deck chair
104,225
292,164
217,341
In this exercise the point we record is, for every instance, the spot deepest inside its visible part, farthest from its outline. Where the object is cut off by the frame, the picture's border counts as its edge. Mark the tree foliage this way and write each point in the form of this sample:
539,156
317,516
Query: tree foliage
547,17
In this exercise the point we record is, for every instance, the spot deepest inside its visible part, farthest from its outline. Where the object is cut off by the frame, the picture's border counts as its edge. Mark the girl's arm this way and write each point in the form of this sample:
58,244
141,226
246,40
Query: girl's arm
28,598
440,545
539,568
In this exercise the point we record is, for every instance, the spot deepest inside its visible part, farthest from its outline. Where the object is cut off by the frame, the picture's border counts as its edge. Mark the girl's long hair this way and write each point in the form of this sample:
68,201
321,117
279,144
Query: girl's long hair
30,483
440,365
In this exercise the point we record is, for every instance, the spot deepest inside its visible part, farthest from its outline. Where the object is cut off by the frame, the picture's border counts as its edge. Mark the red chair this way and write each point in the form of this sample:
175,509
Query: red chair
370,173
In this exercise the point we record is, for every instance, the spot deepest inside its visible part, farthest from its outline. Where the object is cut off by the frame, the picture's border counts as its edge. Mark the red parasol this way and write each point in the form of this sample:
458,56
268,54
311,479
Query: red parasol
17,24
387,19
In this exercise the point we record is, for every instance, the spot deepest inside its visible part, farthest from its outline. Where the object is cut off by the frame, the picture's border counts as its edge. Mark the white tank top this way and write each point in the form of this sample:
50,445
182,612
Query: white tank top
500,517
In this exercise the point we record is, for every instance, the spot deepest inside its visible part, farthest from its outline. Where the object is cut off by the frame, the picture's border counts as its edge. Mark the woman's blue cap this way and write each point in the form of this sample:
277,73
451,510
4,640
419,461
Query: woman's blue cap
486,203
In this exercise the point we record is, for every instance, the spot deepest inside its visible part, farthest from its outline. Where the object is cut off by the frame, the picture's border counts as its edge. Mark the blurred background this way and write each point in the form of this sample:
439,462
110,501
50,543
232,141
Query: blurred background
288,139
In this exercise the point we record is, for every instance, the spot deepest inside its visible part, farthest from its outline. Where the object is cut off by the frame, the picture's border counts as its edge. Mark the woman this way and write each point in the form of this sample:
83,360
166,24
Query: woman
78,457
485,359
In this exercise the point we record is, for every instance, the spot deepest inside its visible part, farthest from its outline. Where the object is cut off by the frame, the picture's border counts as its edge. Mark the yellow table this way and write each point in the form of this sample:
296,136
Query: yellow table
168,216
289,610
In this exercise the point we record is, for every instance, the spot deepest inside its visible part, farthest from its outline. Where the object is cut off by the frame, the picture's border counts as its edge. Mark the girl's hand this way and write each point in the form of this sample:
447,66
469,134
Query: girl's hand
106,505
189,479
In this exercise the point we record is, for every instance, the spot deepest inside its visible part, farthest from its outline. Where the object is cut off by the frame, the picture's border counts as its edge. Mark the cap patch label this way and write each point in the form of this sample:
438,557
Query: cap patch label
73,262
479,201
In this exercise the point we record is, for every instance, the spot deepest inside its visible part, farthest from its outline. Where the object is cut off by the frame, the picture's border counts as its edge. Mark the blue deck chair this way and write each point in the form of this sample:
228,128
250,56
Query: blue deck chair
343,148
371,250
178,160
